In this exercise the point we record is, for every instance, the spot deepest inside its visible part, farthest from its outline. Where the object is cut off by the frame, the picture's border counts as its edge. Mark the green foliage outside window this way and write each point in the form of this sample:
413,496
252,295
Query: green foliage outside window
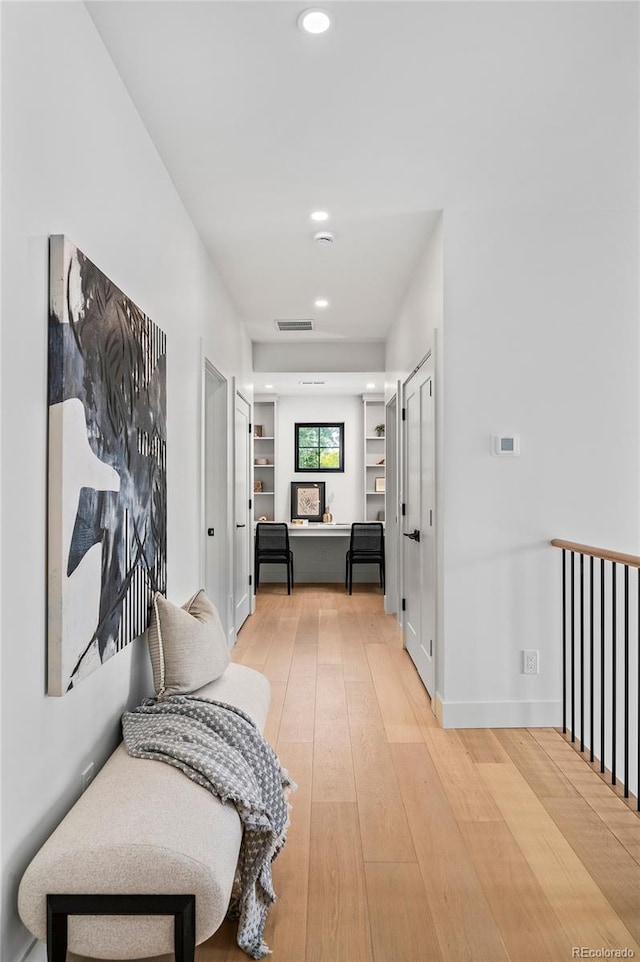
319,447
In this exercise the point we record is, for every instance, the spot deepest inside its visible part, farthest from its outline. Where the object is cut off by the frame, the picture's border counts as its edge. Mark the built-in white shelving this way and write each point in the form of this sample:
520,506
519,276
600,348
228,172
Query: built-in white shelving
374,457
264,466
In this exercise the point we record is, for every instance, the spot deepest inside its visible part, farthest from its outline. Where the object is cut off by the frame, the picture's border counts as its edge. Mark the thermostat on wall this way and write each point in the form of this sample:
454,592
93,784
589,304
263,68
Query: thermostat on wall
505,444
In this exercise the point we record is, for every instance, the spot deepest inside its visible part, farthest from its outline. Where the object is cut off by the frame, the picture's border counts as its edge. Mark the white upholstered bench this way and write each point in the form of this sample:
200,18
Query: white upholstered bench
144,828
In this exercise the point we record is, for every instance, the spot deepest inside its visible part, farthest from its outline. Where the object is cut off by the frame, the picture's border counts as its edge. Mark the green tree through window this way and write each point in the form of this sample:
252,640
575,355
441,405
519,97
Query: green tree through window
319,447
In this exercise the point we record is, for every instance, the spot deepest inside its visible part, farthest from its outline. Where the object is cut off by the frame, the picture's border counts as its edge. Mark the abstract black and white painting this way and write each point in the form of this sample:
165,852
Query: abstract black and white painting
107,467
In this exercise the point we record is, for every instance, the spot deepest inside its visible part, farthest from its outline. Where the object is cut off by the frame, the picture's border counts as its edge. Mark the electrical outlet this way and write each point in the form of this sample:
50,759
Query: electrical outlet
530,662
87,776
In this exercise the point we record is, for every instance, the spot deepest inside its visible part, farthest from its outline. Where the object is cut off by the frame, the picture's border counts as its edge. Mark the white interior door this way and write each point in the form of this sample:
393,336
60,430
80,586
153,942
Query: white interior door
242,536
418,529
216,542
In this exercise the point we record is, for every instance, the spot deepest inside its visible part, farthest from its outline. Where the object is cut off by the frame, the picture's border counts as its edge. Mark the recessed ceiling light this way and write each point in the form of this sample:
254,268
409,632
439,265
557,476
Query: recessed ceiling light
314,21
321,302
268,386
320,215
370,386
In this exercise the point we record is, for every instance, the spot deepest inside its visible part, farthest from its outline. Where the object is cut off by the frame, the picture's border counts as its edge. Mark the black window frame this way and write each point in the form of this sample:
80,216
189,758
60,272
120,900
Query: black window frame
318,424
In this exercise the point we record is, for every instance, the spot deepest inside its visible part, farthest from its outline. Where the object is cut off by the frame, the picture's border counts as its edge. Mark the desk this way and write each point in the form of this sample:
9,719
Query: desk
317,529
318,552
318,556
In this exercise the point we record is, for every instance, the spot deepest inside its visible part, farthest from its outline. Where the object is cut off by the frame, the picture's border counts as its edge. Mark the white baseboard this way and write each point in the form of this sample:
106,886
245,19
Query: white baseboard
37,953
500,714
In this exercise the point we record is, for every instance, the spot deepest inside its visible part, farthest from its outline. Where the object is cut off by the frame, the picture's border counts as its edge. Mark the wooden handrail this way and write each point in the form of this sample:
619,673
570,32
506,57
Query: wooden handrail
626,559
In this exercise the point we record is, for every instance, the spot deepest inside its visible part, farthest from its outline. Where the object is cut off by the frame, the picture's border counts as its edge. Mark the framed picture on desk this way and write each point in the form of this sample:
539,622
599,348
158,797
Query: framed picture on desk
307,500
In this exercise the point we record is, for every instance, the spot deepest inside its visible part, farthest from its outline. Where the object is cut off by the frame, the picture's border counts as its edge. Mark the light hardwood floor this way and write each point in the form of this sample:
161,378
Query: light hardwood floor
413,844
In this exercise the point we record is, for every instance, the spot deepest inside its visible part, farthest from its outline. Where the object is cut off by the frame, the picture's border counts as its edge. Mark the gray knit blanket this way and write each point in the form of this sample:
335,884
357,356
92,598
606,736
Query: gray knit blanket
219,747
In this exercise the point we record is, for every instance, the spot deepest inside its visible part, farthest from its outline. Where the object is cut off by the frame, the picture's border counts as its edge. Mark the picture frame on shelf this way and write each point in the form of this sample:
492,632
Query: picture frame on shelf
379,485
307,500
257,430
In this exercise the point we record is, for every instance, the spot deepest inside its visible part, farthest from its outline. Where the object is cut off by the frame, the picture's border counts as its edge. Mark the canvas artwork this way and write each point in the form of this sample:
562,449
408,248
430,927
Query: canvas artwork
107,467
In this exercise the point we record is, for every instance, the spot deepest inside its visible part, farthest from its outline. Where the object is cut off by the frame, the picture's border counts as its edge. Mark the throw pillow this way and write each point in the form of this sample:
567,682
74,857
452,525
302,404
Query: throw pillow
187,645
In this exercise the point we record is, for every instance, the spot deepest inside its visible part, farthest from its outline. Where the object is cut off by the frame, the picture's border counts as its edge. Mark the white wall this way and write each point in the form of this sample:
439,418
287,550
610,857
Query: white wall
312,355
417,330
541,338
346,486
316,558
77,160
320,560
411,336
537,310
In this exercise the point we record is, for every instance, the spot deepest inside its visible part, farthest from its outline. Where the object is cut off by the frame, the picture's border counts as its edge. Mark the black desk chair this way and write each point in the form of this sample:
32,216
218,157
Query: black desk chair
272,548
365,547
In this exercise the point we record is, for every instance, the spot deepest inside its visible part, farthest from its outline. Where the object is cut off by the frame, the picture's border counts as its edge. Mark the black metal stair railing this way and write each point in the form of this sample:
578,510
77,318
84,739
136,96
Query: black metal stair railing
601,658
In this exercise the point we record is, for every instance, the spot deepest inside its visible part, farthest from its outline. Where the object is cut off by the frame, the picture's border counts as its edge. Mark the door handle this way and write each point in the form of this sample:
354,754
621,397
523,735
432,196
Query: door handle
415,535
211,532
240,525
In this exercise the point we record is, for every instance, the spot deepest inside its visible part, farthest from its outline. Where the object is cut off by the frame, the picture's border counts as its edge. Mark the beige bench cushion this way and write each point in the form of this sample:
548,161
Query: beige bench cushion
143,826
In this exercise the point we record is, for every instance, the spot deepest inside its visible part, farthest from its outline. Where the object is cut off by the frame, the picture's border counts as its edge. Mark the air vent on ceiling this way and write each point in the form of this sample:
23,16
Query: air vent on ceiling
296,325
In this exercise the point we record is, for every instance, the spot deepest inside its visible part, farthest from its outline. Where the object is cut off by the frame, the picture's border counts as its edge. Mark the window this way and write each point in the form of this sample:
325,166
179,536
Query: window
319,447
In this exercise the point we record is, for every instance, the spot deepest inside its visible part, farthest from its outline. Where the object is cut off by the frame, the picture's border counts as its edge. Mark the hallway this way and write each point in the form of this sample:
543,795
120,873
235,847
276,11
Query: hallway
413,844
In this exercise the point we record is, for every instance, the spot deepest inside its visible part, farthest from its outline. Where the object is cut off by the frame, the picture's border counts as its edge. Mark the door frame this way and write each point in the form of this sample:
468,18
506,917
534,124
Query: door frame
432,358
248,513
222,521
393,578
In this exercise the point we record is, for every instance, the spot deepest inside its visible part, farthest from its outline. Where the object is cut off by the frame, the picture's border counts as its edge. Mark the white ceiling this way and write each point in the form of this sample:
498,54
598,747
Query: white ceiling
402,109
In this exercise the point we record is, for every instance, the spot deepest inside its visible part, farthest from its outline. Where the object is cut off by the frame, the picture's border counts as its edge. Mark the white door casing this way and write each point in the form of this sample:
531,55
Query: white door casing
392,527
216,541
418,528
242,536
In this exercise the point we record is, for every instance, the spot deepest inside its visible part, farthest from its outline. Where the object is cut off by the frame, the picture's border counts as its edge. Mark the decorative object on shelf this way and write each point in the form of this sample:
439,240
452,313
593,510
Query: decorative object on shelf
265,421
263,517
107,474
307,500
379,485
380,515
327,517
257,487
373,427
